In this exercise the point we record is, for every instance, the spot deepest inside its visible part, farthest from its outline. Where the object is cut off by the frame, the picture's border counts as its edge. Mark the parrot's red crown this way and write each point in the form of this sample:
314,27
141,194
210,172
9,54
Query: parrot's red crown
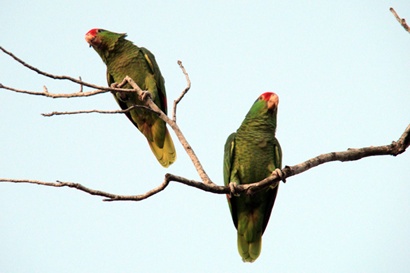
92,32
266,96
271,98
92,37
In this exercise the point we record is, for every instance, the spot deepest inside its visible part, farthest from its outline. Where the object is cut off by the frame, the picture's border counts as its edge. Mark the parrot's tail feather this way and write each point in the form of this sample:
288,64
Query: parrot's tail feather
167,154
249,251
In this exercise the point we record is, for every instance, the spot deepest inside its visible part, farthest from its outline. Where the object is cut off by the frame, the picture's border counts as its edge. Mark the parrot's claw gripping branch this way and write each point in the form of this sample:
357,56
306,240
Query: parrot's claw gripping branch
278,172
233,188
115,85
145,95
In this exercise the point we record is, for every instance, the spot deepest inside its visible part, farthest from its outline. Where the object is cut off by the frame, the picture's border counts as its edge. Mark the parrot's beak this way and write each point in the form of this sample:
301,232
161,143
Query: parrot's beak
89,38
273,102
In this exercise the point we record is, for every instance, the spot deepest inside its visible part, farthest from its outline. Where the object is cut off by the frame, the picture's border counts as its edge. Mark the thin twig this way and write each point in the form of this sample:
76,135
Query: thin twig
45,92
402,21
81,85
109,196
174,111
58,113
100,89
45,73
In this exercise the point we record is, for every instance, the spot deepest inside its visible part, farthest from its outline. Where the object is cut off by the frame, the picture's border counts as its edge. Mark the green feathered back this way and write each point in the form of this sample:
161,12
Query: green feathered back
252,154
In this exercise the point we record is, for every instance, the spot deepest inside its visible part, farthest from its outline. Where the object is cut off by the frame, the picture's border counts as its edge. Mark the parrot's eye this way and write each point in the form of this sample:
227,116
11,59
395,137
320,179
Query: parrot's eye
100,30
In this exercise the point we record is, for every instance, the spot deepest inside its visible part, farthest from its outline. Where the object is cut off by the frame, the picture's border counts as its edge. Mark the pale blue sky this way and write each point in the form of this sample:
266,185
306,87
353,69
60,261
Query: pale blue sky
340,69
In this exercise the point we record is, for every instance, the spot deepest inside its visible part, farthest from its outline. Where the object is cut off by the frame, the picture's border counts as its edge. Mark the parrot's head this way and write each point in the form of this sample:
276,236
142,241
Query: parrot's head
271,100
93,37
267,103
101,39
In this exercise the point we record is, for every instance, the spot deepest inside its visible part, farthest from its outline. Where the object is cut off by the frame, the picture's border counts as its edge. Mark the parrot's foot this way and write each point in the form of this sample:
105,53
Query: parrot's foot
232,187
122,96
280,174
145,95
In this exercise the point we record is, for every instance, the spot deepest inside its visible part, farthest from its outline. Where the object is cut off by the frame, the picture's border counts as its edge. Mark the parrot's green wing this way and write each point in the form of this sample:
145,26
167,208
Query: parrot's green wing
272,192
122,104
158,78
228,161
228,156
278,154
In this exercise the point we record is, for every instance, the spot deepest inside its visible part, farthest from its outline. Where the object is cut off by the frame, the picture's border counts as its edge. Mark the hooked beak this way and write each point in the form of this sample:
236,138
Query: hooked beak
273,102
90,39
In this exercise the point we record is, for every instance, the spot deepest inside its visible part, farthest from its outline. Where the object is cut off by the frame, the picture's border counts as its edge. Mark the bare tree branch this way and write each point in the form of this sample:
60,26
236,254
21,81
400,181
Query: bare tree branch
56,77
109,196
100,89
402,21
353,154
45,92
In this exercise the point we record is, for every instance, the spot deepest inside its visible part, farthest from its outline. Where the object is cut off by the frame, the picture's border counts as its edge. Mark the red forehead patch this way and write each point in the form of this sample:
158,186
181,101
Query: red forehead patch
92,32
266,96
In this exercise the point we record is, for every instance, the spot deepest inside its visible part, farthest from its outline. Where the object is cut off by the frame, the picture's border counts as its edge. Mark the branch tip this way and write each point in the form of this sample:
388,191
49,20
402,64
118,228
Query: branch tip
81,85
402,21
174,115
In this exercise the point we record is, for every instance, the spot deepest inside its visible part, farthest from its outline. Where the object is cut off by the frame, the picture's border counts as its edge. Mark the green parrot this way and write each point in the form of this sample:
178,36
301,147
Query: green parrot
252,154
123,58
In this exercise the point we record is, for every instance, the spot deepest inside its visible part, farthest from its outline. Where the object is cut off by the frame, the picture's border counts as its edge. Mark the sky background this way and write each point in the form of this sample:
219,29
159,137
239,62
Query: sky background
340,69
